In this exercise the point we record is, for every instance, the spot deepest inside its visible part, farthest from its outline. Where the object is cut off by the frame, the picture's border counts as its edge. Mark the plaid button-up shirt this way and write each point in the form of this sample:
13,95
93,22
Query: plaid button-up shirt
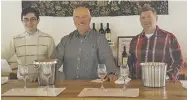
162,46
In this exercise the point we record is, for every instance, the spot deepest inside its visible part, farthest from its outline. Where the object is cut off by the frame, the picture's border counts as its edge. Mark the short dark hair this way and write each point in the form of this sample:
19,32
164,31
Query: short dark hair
30,10
147,7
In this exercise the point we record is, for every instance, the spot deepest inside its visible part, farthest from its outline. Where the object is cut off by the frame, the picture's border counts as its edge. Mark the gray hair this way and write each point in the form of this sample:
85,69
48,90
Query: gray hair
82,5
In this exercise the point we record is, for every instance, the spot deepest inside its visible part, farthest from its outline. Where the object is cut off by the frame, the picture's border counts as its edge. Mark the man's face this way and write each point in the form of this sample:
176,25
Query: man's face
148,20
30,22
82,18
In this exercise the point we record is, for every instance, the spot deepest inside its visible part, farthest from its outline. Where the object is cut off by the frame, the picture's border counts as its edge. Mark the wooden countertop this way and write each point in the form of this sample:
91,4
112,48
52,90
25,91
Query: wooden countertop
172,91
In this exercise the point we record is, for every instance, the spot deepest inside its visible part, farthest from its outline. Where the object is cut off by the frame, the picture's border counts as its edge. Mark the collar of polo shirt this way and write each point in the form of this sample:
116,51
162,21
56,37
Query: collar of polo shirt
85,35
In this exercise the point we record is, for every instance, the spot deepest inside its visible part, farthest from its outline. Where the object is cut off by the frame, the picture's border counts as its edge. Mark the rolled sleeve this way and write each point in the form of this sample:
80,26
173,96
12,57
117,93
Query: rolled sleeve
176,56
10,51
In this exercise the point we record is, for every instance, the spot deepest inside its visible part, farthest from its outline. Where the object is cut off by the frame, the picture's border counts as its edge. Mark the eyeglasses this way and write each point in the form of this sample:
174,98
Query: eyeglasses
32,20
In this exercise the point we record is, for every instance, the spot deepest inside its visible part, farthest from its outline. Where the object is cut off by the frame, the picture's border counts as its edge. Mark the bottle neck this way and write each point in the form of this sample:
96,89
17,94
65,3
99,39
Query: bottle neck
107,25
93,25
101,25
124,52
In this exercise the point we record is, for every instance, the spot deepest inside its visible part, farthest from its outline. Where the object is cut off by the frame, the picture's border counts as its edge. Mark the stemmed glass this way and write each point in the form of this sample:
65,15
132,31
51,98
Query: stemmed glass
47,72
101,70
24,71
124,72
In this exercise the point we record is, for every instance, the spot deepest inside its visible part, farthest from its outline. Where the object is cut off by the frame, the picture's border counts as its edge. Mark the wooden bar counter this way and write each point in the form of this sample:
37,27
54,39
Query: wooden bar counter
172,91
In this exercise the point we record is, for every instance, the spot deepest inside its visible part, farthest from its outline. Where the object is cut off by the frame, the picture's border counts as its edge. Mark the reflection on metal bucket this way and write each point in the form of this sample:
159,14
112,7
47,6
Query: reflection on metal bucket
154,74
42,80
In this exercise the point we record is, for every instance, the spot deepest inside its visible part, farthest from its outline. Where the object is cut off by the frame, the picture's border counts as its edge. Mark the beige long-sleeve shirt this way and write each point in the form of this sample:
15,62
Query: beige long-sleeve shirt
31,47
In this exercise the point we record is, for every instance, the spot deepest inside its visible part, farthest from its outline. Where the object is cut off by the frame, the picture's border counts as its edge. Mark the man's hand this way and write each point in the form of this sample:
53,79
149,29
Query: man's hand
111,77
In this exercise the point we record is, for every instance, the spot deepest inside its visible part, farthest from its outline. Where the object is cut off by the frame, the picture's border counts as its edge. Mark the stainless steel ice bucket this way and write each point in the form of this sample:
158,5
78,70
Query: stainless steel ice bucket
42,81
154,74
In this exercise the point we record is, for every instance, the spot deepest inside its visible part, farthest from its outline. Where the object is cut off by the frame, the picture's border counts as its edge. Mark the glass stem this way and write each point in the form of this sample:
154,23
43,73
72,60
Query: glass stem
25,83
124,87
47,83
102,87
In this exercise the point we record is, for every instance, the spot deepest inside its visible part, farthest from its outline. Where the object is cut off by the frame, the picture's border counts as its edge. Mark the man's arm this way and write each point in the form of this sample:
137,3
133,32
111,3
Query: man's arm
51,47
59,55
176,57
9,52
105,54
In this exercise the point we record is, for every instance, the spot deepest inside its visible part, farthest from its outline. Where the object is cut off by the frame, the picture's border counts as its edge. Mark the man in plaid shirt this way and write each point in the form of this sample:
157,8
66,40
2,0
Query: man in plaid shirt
154,45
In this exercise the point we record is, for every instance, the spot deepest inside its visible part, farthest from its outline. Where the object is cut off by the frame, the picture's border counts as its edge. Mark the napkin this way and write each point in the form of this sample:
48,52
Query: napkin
96,80
61,68
112,92
5,66
184,83
4,80
34,92
122,80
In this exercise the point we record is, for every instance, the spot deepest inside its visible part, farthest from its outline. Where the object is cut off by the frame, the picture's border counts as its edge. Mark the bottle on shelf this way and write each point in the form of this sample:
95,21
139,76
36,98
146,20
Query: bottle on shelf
93,27
101,30
108,33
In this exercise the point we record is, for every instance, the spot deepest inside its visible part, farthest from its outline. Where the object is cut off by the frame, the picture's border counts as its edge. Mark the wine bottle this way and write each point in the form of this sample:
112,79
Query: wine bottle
108,33
94,27
132,65
101,30
124,56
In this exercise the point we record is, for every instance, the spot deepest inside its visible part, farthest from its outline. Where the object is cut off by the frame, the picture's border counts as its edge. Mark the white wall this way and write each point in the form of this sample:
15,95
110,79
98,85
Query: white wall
175,22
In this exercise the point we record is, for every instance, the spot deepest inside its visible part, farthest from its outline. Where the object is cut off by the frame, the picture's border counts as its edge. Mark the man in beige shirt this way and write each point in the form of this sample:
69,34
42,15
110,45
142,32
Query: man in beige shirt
32,44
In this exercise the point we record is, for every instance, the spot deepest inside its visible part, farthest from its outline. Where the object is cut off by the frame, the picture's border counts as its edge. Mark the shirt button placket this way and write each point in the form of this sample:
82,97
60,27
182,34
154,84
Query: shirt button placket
79,50
78,67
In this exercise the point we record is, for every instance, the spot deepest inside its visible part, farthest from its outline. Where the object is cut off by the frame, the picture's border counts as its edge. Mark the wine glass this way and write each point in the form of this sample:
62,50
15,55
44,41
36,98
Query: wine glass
47,72
23,71
124,72
101,70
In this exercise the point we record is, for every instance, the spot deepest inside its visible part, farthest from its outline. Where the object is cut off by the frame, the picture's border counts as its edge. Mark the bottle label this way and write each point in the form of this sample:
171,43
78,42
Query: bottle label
108,36
124,61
